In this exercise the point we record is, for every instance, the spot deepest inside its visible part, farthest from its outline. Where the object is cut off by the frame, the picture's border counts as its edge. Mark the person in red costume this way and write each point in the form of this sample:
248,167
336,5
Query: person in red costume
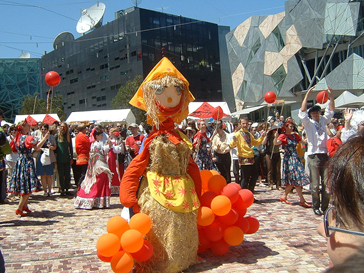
82,149
333,143
163,181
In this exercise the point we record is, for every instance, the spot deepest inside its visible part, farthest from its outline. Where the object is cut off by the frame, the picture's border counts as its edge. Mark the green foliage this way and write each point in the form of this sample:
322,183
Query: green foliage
125,94
35,105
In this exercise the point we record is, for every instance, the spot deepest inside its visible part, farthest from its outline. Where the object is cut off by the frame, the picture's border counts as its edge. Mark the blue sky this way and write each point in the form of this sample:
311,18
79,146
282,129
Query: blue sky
31,26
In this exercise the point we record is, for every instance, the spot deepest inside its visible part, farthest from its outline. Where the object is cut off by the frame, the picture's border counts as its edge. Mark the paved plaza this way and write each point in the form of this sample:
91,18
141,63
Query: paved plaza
59,238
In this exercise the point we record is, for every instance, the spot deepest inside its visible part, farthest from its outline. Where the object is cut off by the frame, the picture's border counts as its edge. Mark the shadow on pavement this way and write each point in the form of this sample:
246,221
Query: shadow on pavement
14,223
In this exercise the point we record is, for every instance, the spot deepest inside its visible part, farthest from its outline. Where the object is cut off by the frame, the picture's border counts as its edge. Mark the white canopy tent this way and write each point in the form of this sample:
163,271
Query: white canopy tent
37,117
356,102
125,115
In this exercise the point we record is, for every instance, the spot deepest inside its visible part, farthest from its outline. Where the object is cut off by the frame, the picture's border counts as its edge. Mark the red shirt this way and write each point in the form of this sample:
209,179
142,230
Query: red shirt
134,142
332,145
283,138
83,145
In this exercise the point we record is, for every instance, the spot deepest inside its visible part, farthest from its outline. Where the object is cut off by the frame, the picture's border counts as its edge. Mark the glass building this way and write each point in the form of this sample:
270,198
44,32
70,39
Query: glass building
94,66
18,78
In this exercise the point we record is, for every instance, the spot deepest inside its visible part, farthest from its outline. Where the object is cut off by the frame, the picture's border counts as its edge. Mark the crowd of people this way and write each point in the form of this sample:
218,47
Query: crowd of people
286,154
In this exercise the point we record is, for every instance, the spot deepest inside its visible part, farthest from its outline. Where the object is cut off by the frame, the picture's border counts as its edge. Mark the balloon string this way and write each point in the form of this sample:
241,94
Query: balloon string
49,91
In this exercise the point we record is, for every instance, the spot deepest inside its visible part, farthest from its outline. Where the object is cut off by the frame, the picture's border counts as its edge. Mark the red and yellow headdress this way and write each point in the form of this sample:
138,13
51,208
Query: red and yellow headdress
162,69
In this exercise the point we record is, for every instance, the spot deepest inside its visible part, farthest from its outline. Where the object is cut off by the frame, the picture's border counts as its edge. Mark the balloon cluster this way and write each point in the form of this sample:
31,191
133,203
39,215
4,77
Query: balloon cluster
125,242
221,218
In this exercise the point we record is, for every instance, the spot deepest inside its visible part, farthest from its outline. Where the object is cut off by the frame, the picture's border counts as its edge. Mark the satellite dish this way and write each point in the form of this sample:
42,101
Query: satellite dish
62,38
91,18
25,55
136,2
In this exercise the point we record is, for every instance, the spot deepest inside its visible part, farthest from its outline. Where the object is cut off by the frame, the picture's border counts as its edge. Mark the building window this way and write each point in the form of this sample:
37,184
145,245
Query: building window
278,38
254,50
278,78
83,101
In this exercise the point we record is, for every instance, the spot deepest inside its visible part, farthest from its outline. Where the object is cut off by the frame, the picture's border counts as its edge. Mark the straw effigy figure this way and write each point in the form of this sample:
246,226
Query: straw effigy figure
170,187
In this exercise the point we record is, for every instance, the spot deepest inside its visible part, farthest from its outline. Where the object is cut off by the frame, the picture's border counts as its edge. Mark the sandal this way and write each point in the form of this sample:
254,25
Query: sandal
285,201
305,205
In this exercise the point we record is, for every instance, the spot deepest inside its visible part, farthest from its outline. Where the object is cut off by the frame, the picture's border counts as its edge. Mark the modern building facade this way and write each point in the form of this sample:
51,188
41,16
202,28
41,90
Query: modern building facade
310,43
94,66
18,78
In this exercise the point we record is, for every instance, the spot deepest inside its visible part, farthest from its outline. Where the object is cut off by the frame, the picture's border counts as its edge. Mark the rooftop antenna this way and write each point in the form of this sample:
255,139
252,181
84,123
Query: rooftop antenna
136,2
91,18
62,38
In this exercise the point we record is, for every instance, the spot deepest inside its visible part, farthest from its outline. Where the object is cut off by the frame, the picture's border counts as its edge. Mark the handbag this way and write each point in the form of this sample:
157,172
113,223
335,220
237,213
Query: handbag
45,159
127,160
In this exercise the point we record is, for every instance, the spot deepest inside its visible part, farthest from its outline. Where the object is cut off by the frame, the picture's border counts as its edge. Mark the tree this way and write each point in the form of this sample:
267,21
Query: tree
35,105
125,94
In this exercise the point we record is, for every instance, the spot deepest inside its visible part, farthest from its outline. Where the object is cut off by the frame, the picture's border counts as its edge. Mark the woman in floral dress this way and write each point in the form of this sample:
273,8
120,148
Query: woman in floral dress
293,172
203,157
24,179
95,188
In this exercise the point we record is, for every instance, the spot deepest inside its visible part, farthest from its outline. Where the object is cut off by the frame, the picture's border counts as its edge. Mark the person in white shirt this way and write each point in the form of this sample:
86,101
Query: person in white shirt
315,126
354,124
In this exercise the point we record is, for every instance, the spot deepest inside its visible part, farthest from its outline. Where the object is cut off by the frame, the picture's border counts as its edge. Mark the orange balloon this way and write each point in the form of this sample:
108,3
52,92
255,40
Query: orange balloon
205,216
140,222
205,176
220,247
247,196
243,224
214,172
216,184
233,235
122,262
206,198
117,225
254,224
230,218
221,205
214,232
132,240
108,244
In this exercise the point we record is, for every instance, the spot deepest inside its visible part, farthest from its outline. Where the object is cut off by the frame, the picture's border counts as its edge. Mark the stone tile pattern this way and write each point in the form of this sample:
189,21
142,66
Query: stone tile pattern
59,238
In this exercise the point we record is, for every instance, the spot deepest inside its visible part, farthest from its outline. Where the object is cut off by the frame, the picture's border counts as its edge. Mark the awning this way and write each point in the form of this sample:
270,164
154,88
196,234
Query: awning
247,110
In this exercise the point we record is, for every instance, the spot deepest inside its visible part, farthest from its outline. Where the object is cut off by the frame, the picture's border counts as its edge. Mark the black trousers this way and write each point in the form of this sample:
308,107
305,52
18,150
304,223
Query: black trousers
249,177
83,170
223,163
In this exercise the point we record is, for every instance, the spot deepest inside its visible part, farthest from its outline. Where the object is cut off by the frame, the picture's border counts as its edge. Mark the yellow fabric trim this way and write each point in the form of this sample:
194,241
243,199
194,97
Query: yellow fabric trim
174,192
185,138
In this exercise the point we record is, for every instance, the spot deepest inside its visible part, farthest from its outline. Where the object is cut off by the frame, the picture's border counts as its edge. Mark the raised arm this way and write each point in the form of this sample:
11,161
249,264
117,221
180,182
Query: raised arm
332,101
304,102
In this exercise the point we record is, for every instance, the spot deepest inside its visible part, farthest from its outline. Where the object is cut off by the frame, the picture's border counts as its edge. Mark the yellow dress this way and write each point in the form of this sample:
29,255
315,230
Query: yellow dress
168,196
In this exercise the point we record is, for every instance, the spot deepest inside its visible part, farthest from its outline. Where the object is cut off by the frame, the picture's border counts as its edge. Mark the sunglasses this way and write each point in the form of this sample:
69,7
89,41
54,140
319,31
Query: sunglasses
330,224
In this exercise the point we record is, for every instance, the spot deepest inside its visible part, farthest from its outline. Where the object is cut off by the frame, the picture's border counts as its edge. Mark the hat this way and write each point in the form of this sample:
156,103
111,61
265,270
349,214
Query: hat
314,108
273,127
189,128
269,118
133,125
255,124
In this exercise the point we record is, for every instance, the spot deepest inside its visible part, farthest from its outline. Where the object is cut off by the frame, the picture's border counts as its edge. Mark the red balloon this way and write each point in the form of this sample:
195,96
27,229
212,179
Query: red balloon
204,243
254,224
206,199
270,97
243,224
322,97
231,191
52,78
103,258
214,232
144,253
230,218
220,247
236,185
242,212
247,196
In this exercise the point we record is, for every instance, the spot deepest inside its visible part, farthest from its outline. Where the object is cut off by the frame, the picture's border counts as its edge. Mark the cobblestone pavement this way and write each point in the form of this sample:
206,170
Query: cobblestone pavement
59,238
